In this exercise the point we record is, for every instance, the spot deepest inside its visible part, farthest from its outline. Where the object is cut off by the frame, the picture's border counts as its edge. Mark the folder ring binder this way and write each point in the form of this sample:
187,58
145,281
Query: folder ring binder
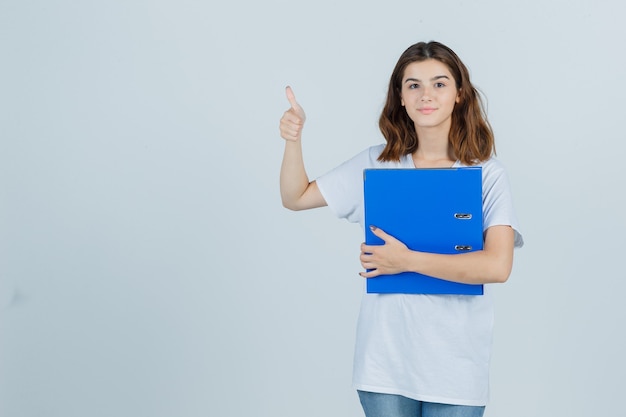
436,210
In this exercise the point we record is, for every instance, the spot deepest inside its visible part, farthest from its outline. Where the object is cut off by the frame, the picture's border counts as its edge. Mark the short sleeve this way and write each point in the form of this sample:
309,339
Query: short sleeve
342,187
497,200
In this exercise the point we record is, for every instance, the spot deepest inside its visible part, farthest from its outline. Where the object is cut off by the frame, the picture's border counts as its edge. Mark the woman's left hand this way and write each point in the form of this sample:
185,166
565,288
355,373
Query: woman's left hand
387,259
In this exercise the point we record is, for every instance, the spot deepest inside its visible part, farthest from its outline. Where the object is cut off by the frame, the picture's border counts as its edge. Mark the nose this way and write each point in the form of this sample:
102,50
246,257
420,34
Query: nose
426,95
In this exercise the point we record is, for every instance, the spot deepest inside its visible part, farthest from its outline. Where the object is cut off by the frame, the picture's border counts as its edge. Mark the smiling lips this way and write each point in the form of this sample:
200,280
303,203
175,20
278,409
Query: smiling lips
426,110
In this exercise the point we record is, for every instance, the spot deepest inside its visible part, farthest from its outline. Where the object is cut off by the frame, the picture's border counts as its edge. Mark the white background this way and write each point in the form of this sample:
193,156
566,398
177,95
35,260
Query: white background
147,267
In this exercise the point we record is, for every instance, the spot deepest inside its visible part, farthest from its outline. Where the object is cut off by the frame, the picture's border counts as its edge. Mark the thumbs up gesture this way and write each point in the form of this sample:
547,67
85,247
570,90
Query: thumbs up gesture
292,122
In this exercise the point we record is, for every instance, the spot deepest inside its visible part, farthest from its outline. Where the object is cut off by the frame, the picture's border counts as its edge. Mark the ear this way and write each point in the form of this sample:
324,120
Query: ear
458,97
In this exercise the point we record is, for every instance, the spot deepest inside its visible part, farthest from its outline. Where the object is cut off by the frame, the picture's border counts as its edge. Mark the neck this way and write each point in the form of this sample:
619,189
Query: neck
434,150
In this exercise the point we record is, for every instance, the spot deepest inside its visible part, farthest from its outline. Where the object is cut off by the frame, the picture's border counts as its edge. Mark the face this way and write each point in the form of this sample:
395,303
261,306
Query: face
429,94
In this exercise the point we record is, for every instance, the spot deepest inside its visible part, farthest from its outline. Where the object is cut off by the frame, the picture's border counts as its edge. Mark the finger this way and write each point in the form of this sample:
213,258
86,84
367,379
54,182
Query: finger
291,129
370,268
380,233
370,274
289,134
368,249
365,260
292,98
291,116
290,137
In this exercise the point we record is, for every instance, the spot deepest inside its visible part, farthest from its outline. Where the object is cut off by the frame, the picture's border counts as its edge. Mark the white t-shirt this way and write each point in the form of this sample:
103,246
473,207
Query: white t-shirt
433,348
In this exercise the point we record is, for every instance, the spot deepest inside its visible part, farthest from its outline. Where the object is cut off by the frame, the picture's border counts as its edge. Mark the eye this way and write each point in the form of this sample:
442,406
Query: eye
440,85
413,86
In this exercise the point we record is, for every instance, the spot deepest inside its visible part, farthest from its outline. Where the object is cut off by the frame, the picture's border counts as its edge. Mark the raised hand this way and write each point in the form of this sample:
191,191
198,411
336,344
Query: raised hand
292,122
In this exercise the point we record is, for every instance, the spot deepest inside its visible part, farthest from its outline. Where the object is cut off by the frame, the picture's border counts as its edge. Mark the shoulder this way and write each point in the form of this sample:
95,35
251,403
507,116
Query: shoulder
493,171
374,153
369,155
367,158
376,150
492,164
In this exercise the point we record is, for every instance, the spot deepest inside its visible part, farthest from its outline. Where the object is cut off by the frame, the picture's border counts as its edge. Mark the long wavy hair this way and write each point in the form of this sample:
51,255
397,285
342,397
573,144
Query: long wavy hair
471,136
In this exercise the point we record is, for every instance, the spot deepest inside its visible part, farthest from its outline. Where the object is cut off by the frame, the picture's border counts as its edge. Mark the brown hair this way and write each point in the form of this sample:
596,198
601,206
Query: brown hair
470,134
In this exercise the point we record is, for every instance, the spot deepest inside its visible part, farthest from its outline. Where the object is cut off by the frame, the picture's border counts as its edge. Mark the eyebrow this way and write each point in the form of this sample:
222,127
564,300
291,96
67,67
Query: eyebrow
438,77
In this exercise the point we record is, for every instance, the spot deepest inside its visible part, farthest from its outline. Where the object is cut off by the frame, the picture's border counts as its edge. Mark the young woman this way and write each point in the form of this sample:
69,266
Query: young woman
419,355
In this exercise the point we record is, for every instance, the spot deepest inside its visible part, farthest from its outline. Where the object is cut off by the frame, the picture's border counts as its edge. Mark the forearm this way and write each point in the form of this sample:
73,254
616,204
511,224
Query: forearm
480,267
492,264
293,177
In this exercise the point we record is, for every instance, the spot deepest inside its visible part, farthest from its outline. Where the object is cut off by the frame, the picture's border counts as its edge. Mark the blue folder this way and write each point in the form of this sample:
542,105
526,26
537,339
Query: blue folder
436,210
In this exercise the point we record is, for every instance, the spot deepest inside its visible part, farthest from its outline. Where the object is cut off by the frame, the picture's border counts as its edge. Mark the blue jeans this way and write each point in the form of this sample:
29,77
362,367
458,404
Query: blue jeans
388,405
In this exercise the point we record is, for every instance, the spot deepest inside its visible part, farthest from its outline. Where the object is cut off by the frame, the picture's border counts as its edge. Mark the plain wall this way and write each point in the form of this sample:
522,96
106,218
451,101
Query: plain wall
147,267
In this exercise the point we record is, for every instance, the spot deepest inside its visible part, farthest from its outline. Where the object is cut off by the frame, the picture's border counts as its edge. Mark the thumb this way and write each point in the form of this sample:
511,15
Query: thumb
292,100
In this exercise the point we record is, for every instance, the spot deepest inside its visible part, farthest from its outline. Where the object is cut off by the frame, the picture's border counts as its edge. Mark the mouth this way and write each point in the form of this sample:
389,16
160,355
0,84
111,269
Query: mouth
426,110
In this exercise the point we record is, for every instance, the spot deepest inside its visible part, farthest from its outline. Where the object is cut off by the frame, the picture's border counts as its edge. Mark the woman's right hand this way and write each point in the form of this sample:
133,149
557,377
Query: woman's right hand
292,122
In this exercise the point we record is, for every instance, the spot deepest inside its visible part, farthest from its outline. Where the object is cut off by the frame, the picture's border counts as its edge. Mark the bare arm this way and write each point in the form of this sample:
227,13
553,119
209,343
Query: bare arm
296,191
490,265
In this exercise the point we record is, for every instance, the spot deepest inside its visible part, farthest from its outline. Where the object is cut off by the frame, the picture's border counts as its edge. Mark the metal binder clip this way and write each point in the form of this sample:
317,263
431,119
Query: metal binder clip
462,247
463,216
